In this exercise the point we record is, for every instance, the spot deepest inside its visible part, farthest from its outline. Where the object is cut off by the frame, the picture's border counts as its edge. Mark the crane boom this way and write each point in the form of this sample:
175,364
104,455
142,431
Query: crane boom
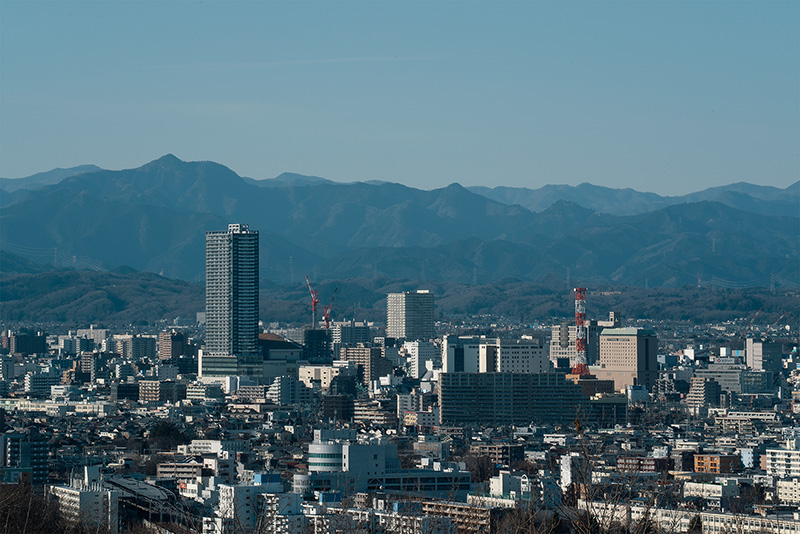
746,328
314,302
326,311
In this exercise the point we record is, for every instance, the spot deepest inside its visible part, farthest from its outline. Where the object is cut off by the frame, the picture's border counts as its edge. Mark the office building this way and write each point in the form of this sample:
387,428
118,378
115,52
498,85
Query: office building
469,354
628,356
322,376
409,315
509,398
136,347
27,344
350,334
161,391
171,345
765,356
24,454
369,362
317,345
418,354
341,464
736,378
563,339
231,342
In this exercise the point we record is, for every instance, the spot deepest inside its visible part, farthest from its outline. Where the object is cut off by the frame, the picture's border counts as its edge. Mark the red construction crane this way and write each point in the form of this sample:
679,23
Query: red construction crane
746,328
773,325
326,311
314,302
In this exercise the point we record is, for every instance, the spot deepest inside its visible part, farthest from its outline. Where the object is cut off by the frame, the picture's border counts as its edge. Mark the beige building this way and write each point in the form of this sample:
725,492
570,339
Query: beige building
369,360
788,491
563,335
628,356
323,375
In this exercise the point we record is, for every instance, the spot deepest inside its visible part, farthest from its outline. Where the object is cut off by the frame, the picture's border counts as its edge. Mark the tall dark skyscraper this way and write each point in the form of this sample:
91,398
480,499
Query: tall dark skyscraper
231,301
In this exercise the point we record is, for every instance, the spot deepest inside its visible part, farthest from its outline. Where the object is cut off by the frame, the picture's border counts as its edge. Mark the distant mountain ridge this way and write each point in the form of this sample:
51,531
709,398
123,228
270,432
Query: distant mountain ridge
765,200
44,178
153,218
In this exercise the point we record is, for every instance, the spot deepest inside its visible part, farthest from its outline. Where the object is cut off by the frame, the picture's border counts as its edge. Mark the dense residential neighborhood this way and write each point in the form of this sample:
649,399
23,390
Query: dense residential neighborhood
353,426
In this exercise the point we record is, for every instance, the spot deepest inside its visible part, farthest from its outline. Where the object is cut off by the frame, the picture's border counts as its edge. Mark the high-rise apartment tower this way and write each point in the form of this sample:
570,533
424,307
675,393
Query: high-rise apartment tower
409,315
231,300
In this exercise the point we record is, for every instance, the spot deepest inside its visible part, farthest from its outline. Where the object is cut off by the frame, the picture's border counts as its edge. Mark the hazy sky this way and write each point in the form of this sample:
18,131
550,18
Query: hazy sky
670,97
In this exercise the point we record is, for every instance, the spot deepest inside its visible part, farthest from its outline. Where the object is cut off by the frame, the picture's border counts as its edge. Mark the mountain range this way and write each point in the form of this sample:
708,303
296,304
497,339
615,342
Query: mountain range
153,218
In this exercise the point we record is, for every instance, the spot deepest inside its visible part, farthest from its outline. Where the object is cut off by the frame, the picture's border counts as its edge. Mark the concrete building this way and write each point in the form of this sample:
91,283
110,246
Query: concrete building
97,335
467,518
26,454
461,354
787,491
6,368
736,378
779,523
204,392
239,509
499,453
161,391
321,376
784,463
373,465
717,463
508,398
85,502
182,471
628,356
409,315
231,340
281,357
38,384
703,393
369,360
286,390
494,355
338,407
417,354
317,345
762,355
563,335
171,345
27,344
136,347
350,334
525,355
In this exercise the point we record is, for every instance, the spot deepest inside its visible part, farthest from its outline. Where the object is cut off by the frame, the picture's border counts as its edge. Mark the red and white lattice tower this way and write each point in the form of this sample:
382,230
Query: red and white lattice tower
580,367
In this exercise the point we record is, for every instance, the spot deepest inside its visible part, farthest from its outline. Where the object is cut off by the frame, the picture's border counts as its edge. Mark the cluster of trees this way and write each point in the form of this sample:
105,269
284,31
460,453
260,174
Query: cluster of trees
77,298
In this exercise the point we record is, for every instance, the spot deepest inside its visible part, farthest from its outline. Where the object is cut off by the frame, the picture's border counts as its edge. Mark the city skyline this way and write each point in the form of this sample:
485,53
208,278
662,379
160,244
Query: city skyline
662,97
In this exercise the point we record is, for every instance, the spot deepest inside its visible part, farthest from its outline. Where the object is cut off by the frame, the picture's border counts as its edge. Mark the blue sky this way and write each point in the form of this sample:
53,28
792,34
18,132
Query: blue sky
670,97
